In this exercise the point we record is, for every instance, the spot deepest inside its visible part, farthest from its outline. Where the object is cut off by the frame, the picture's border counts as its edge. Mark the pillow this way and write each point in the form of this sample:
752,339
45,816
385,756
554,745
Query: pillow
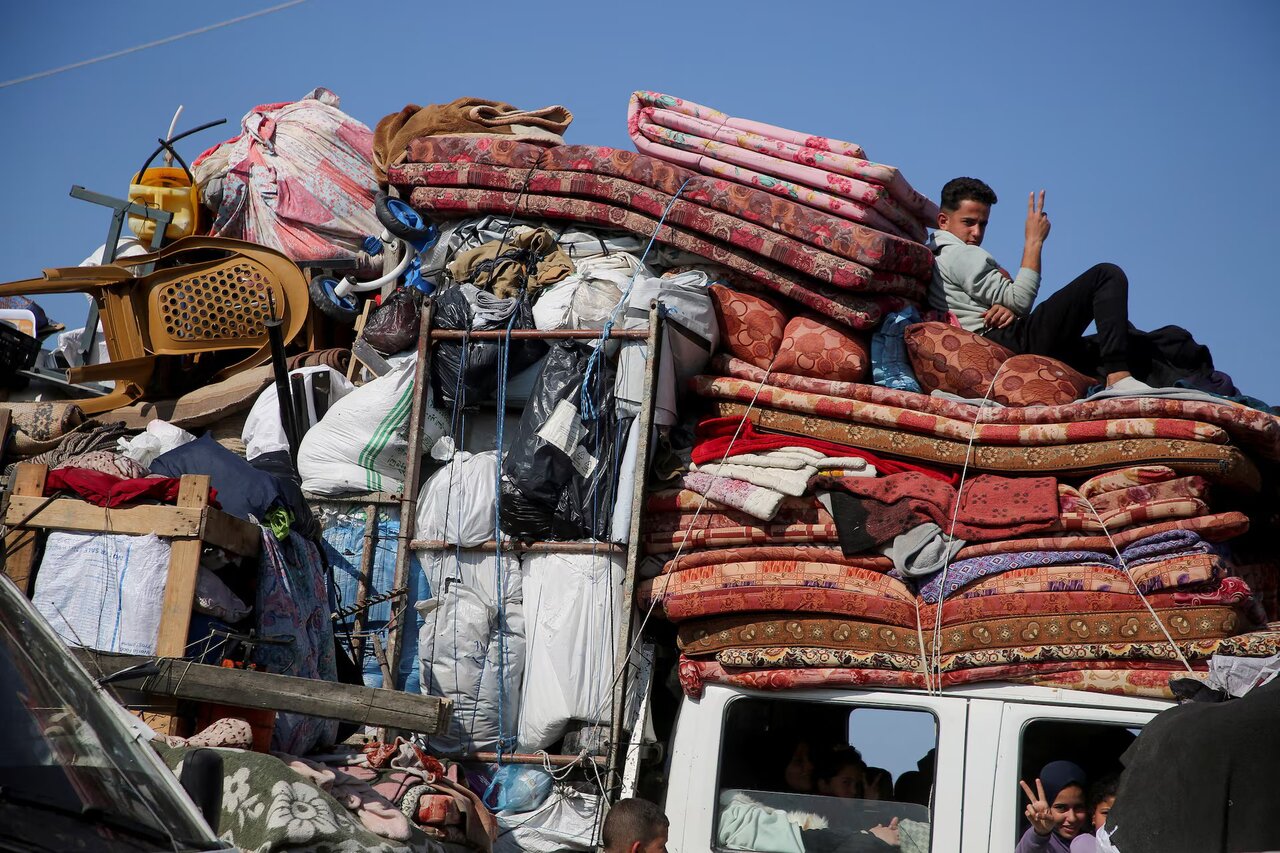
750,326
947,358
1037,380
820,348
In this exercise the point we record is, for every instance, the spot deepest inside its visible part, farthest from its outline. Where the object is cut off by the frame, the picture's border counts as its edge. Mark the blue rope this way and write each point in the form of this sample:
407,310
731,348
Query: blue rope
586,404
504,355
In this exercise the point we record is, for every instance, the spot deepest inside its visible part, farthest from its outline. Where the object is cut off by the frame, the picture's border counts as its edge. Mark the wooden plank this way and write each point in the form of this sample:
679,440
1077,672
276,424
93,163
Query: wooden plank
5,419
75,514
235,534
184,570
19,544
373,706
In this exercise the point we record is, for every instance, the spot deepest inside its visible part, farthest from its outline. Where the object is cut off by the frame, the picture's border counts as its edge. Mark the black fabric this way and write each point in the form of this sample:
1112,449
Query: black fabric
468,371
242,489
1056,326
850,517
278,464
1201,777
544,495
393,326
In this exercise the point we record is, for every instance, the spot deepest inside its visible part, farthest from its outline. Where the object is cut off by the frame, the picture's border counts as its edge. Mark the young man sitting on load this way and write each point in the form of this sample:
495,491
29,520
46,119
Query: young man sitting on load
969,283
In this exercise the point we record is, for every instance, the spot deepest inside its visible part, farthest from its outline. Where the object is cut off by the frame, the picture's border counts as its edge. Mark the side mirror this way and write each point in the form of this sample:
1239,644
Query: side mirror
202,780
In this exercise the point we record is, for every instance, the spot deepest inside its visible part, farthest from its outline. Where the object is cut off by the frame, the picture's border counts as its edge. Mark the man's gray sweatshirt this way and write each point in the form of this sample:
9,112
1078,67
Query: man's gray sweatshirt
967,281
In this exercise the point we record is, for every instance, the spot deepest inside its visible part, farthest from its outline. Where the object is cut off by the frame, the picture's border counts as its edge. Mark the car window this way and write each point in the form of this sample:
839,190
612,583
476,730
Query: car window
1090,751
808,777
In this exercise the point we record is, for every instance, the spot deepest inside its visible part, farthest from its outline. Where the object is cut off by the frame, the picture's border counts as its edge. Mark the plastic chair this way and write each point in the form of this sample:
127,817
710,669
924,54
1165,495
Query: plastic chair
194,304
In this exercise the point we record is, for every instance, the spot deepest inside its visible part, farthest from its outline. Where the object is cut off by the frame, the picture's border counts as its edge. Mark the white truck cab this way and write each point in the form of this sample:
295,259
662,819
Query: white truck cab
963,750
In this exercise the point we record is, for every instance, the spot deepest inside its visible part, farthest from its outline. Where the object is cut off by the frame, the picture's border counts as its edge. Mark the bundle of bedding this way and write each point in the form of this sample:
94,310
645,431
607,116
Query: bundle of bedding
788,558
842,270
823,173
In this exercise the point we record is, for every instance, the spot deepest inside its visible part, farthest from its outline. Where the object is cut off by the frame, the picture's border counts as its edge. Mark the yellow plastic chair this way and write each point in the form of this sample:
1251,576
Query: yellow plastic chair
197,302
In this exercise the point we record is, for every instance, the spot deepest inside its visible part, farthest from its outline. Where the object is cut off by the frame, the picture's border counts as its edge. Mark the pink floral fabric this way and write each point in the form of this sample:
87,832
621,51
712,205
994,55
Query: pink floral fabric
751,327
833,234
1254,430
812,346
814,170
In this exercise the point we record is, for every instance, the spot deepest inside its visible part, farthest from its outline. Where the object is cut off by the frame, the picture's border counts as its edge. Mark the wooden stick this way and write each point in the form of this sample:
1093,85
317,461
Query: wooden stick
20,544
247,688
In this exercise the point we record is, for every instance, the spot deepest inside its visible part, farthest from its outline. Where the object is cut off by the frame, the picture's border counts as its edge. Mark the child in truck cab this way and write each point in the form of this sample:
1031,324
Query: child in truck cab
1102,796
837,772
635,826
1056,809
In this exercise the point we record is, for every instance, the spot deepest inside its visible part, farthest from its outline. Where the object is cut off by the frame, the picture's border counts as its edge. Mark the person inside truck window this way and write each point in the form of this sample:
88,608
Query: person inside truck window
915,786
1102,796
877,784
985,299
635,826
837,772
797,775
1055,809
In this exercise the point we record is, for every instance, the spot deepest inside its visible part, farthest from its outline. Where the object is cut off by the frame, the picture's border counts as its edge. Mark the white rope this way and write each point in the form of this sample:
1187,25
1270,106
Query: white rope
1129,574
936,650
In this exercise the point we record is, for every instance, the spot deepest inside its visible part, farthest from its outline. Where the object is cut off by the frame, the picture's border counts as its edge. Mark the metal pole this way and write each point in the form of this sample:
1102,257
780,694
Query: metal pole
412,479
284,397
633,546
364,582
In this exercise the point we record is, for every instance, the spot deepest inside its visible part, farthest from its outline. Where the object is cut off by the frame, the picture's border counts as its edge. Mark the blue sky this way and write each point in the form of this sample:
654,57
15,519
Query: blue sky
1152,126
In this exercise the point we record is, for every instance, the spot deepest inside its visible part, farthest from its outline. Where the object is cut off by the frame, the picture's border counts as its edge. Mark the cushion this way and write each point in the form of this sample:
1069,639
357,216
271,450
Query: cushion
812,346
243,490
1037,380
751,326
947,358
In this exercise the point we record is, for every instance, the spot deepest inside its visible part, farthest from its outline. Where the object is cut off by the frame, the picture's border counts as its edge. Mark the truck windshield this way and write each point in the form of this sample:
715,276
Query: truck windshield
801,776
71,777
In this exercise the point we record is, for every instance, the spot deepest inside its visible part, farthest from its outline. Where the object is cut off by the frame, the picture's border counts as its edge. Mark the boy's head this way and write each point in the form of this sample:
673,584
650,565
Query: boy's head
635,826
966,207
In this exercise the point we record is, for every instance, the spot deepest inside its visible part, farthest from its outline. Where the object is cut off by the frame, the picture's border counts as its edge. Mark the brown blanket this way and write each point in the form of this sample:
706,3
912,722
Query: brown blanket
464,117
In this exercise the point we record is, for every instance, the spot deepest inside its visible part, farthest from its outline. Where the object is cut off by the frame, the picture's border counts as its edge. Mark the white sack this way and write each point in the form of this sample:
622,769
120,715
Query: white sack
362,443
568,820
471,650
159,438
587,298
104,591
263,432
690,334
621,530
572,603
457,502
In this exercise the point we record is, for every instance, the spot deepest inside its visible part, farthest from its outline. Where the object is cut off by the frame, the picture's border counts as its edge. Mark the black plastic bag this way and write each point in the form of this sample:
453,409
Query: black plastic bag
560,477
393,325
476,361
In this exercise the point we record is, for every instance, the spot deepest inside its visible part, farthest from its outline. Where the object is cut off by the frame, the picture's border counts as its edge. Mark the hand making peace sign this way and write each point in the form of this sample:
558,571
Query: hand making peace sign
1038,812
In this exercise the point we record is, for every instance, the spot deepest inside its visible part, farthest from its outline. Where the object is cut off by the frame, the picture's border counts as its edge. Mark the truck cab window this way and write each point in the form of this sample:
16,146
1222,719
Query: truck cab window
810,777
1077,764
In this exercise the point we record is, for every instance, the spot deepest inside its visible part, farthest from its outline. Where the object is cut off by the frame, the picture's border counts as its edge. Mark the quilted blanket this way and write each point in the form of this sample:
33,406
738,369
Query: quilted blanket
694,673
845,306
711,636
832,234
806,260
924,423
1220,463
821,172
1255,430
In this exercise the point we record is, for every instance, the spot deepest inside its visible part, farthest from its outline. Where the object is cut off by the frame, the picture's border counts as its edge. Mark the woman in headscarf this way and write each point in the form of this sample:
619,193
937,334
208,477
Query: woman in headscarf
1056,810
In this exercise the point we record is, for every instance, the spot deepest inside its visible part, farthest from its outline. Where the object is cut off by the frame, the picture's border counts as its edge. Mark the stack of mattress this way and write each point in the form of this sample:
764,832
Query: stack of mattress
837,267
935,543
